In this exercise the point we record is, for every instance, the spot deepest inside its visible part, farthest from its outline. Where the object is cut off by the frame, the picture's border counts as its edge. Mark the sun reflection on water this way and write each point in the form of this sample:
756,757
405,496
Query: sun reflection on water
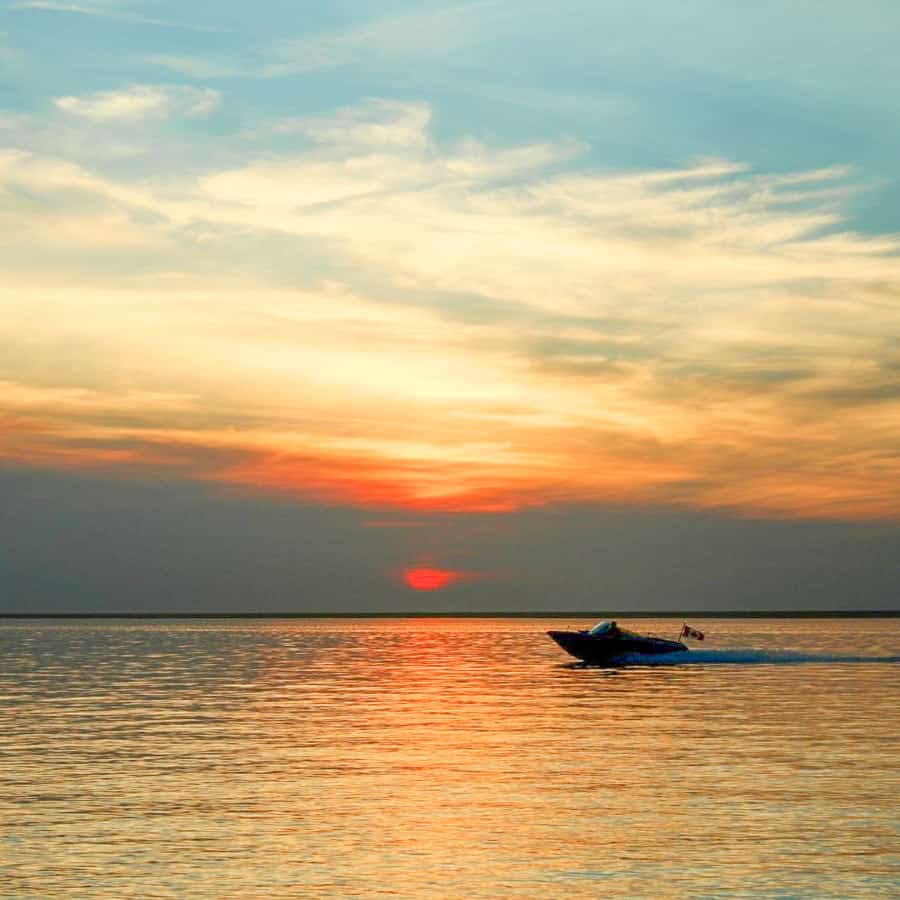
444,758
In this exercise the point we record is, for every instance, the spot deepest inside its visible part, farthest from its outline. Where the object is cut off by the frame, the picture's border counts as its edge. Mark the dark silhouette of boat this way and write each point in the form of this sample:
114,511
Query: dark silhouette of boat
607,643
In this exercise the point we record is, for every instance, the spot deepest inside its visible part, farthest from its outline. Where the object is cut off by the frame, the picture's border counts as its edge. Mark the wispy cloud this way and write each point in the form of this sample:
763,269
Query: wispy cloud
379,317
196,66
63,7
111,10
141,101
409,33
376,123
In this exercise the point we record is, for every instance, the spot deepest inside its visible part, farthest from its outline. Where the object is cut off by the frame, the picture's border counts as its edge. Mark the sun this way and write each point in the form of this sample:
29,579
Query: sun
427,579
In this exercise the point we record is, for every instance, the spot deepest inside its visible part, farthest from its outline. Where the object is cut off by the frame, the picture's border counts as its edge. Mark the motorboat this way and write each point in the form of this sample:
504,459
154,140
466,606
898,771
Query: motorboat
607,643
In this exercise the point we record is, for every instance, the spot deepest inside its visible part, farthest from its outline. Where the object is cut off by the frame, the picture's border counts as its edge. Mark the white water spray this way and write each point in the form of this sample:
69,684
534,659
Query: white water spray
748,656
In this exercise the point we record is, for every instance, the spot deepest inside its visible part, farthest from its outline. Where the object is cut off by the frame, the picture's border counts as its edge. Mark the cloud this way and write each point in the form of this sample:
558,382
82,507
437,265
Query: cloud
109,10
377,317
141,101
71,187
195,67
407,34
375,123
53,6
431,34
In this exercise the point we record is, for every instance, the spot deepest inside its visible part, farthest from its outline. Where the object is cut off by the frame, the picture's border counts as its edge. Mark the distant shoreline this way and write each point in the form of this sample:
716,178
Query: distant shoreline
532,614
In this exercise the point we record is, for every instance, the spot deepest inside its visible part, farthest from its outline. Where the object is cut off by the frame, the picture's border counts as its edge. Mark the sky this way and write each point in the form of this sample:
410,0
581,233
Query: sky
491,305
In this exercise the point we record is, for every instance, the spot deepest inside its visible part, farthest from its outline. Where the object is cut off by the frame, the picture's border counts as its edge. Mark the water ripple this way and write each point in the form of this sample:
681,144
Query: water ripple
444,758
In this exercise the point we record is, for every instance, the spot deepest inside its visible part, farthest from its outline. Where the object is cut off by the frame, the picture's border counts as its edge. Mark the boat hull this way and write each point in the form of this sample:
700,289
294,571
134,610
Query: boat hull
606,649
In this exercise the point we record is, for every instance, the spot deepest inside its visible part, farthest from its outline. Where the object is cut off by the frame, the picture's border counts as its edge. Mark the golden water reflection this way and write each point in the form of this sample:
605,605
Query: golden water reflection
444,758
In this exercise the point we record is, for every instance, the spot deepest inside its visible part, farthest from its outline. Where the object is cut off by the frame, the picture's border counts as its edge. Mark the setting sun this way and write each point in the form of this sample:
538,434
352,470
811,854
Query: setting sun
426,579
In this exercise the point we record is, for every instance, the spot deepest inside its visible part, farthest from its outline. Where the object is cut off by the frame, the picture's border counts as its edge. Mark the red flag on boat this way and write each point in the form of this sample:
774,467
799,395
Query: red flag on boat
687,631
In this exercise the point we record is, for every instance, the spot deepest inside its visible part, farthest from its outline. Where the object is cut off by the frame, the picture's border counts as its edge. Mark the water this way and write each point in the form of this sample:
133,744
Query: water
445,758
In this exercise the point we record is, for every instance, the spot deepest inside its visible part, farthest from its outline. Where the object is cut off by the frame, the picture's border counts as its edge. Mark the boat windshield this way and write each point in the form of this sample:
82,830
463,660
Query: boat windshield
603,627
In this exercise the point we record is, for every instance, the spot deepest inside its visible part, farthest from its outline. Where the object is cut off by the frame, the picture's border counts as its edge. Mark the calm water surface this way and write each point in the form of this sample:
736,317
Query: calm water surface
445,758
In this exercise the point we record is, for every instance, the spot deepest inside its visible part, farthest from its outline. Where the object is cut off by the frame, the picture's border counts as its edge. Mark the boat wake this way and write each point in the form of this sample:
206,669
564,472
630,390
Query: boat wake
743,657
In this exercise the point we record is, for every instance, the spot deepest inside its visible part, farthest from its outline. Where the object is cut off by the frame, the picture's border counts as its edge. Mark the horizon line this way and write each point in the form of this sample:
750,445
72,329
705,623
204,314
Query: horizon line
532,614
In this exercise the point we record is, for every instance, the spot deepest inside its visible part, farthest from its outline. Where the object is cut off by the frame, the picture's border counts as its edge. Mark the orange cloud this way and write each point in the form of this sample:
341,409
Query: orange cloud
382,321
